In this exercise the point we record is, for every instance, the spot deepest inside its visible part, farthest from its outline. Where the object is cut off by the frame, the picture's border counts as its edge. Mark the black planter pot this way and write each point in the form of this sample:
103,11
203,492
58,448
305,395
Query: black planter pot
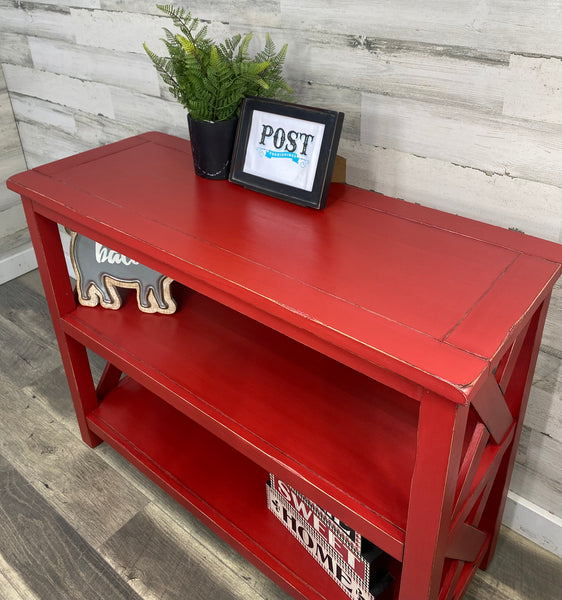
212,143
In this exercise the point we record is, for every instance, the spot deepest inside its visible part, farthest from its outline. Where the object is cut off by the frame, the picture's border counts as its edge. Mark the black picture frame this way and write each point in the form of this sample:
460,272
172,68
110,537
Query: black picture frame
272,129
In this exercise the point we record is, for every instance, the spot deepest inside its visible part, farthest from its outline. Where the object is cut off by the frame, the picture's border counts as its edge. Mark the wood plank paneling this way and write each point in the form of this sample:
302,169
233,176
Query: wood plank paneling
495,145
74,3
11,155
50,21
552,338
544,415
533,89
40,141
537,471
496,199
144,113
105,66
119,30
14,48
396,68
60,89
486,25
30,109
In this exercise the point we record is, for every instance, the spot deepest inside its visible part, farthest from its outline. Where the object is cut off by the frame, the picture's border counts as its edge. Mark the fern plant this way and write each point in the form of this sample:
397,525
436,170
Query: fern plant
210,80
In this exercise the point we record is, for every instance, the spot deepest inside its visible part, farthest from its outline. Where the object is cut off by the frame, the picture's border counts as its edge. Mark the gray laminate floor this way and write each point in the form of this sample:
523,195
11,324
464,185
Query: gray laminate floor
77,523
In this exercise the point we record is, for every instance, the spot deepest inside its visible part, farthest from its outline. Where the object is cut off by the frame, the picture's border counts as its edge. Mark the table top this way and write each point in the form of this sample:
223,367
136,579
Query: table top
395,287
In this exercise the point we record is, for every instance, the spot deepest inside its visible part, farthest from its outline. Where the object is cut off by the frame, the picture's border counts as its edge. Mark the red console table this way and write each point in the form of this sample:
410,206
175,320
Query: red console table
376,355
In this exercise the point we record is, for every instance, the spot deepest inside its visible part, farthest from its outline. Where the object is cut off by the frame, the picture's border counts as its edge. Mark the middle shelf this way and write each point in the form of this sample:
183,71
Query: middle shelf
343,439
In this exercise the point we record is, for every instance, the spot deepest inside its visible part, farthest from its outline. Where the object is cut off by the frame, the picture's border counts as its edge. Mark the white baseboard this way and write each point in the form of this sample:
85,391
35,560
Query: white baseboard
20,262
534,523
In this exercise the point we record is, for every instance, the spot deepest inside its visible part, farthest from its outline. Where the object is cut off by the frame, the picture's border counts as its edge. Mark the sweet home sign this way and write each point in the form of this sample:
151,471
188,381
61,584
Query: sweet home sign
317,543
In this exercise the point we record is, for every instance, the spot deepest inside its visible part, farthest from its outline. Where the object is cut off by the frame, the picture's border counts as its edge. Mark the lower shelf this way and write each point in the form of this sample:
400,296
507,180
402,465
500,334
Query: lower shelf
222,487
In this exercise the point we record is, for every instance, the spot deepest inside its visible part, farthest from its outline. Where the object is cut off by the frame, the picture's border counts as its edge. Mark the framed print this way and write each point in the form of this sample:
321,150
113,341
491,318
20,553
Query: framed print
286,150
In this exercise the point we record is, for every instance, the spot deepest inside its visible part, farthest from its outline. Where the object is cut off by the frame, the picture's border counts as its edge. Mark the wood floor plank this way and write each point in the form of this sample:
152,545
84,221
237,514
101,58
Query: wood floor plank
52,394
23,305
42,448
26,307
12,585
163,560
49,555
24,357
74,479
32,280
8,590
94,499
36,409
520,570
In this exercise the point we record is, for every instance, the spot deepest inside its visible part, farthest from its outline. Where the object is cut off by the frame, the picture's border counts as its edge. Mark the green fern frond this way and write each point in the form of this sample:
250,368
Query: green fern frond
211,80
243,50
186,44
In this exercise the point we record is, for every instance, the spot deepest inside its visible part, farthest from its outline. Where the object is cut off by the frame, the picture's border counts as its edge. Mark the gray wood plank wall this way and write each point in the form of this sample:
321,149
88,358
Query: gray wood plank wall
455,105
16,256
11,155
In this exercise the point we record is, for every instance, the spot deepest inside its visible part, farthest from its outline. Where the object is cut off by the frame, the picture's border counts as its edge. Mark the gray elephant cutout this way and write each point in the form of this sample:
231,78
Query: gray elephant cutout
100,270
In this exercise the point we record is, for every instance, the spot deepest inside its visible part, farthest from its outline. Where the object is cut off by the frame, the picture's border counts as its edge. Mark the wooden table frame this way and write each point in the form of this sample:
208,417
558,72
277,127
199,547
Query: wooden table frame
454,399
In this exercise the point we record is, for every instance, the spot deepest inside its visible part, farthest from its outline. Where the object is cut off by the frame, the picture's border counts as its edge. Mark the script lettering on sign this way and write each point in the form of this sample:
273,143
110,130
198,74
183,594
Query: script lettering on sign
104,254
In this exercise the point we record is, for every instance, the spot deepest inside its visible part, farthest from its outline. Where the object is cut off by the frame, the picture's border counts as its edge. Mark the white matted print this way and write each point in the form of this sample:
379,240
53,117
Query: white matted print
292,144
286,150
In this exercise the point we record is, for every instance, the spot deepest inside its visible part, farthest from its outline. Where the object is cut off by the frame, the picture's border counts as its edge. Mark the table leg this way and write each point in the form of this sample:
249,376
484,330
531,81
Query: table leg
450,535
516,382
441,432
60,299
